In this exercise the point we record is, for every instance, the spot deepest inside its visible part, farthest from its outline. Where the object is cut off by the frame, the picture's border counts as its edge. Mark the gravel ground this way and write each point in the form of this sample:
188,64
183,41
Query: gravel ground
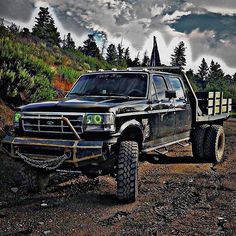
177,196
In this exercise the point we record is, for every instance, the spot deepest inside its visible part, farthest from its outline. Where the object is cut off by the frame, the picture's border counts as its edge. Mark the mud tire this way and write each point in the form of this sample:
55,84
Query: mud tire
198,139
127,175
34,180
215,144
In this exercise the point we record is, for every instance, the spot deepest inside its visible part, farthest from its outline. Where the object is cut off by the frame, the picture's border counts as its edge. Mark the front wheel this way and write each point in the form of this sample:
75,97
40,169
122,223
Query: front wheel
127,175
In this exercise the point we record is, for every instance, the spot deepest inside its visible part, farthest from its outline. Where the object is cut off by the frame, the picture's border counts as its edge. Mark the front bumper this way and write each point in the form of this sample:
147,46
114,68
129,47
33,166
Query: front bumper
46,149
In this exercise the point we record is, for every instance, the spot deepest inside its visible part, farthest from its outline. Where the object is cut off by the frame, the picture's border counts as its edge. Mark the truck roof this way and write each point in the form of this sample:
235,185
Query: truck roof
172,70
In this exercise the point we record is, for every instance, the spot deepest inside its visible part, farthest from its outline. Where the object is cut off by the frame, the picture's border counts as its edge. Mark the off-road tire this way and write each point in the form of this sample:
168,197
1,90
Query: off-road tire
214,143
127,175
198,139
35,180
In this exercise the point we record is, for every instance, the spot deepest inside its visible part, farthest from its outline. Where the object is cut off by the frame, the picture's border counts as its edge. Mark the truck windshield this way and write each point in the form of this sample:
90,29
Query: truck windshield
111,84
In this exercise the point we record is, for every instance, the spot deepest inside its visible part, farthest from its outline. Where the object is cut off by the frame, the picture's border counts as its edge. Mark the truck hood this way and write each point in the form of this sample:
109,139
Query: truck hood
86,104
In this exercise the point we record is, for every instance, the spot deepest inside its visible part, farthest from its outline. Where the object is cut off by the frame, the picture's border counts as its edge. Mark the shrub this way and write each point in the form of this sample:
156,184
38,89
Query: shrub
68,73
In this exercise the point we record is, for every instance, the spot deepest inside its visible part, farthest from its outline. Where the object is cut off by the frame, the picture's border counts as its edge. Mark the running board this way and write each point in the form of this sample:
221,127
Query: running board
161,153
164,145
184,145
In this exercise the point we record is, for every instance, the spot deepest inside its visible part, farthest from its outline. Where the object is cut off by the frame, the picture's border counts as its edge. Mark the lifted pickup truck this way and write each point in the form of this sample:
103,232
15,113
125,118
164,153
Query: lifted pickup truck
109,118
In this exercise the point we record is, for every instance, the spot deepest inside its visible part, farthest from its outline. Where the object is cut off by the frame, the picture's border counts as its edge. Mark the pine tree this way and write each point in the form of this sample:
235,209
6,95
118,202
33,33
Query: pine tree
45,28
120,52
13,28
178,57
215,71
90,47
146,60
127,58
234,77
136,61
203,70
120,55
68,43
112,54
25,32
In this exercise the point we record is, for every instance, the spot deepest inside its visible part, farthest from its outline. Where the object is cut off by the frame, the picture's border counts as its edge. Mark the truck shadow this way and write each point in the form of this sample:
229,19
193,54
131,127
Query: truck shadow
164,159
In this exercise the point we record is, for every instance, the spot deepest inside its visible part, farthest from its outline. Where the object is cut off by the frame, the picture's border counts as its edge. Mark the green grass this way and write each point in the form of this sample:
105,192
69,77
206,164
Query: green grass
233,114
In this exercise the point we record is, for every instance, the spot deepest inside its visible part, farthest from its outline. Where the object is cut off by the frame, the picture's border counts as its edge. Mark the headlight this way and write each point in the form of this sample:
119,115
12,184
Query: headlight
16,120
100,122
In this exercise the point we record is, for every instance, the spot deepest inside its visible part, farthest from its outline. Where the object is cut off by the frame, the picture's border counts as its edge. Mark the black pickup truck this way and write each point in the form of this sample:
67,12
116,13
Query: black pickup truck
109,118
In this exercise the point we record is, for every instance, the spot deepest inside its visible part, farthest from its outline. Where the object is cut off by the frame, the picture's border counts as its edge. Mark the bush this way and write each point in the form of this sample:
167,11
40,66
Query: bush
68,73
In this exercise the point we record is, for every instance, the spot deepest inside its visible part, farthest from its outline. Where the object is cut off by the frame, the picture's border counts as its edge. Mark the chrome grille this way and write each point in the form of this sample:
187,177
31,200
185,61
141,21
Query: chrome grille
52,122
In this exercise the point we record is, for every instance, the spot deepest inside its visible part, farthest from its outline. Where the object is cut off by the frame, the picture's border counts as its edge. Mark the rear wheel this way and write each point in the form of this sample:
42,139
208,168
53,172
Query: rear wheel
214,143
198,139
127,176
35,180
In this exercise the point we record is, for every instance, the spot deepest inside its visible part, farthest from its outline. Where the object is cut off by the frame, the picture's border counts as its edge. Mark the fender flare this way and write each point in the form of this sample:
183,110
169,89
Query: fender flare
131,124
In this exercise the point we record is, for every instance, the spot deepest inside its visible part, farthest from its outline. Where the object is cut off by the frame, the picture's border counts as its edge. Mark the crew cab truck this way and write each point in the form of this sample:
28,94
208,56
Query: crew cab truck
109,118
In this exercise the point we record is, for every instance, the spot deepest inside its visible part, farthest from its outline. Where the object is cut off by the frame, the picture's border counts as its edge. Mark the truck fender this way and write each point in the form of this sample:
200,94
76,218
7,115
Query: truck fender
132,124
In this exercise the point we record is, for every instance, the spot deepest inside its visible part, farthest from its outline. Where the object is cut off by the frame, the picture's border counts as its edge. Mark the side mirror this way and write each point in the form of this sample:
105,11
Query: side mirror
170,94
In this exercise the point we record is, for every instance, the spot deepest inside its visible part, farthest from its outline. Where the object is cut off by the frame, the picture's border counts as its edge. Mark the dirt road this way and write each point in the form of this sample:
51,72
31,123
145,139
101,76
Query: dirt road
177,196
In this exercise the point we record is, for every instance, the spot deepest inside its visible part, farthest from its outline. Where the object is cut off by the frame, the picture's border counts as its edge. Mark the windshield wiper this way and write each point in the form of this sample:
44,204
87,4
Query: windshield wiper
118,95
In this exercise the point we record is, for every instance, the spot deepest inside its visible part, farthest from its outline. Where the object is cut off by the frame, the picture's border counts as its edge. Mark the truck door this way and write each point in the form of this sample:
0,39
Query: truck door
182,108
163,112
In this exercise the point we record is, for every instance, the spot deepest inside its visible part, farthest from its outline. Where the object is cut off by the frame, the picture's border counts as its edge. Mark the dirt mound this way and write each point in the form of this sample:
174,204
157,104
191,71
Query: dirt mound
6,116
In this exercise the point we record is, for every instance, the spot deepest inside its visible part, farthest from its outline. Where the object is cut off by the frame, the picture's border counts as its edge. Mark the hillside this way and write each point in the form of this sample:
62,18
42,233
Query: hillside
32,71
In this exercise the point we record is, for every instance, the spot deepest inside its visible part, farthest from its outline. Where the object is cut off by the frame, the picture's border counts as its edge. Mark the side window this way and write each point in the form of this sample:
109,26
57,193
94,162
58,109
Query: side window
153,93
160,86
177,86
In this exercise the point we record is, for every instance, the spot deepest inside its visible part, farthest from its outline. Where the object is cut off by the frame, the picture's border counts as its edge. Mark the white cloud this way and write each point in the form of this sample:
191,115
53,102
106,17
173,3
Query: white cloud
175,16
137,21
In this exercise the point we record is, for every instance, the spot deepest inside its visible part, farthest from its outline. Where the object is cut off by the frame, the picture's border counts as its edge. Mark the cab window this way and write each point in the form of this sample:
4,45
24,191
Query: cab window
160,86
153,93
177,86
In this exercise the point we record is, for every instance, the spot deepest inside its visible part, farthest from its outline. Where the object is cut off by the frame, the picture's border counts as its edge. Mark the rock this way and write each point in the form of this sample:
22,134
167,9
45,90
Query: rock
2,213
46,232
14,190
3,204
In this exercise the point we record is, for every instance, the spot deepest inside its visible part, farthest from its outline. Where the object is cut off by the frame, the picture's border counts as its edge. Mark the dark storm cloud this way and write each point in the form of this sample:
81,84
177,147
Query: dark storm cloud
208,25
222,25
17,10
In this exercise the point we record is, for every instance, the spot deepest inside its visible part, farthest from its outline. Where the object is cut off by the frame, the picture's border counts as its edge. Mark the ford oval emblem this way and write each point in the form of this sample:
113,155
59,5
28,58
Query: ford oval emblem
50,122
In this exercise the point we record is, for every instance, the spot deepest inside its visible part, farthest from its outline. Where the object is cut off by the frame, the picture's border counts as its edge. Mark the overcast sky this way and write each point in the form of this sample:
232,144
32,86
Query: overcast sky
208,27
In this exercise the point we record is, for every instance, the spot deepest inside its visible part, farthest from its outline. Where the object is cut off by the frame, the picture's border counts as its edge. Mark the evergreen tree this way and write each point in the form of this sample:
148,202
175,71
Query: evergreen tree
68,43
178,57
112,54
120,56
45,28
215,71
25,32
127,58
234,77
146,60
120,52
136,61
193,80
90,47
13,28
203,70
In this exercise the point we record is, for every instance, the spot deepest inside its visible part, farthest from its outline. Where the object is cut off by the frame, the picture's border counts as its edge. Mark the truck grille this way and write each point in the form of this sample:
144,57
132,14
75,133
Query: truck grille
52,122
